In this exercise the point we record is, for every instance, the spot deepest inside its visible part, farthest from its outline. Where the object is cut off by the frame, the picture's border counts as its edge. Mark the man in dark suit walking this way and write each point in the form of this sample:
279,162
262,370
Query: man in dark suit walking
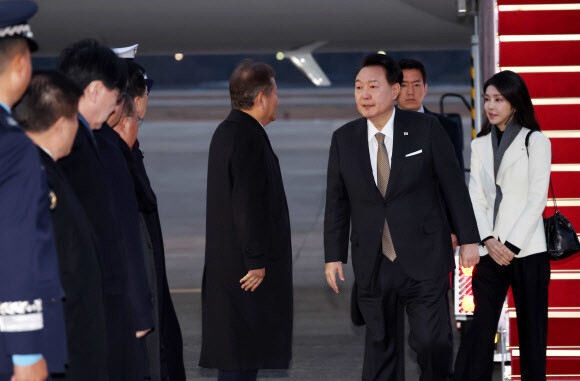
384,175
48,114
247,281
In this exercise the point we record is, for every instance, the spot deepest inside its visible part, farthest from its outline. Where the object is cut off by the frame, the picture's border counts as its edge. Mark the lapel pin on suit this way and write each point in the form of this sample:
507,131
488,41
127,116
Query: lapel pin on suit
405,133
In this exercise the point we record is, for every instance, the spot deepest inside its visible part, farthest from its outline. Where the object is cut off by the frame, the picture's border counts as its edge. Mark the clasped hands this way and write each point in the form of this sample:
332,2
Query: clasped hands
499,252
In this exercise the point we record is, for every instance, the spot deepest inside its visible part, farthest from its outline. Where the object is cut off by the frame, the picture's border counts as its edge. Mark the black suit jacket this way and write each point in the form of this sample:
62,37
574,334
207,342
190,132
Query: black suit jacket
411,205
454,133
80,275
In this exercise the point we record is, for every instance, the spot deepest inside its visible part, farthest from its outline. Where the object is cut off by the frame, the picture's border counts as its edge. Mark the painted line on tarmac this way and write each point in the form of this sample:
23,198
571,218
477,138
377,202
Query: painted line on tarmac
186,291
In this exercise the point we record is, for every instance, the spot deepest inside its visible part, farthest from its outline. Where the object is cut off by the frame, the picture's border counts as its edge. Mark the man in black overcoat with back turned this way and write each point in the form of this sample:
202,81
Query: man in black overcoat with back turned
100,74
384,175
247,281
48,114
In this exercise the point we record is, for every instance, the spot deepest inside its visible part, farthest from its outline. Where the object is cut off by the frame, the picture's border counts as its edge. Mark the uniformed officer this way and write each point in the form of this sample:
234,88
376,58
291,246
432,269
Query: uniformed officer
48,114
32,337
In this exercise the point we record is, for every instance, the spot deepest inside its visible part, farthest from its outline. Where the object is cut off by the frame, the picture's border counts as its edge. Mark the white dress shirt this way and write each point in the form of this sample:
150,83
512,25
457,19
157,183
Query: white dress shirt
374,144
47,152
421,110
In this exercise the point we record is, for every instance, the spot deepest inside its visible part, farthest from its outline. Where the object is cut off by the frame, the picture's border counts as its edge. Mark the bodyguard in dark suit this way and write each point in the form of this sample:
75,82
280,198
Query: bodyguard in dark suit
413,90
32,335
98,72
48,113
247,281
384,175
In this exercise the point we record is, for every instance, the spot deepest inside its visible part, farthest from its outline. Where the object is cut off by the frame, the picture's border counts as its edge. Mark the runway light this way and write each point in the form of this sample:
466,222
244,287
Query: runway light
178,56
461,7
382,52
279,56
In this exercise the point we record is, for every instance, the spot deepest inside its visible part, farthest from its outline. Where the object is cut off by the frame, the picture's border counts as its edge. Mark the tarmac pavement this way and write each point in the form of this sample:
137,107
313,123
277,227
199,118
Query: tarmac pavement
326,344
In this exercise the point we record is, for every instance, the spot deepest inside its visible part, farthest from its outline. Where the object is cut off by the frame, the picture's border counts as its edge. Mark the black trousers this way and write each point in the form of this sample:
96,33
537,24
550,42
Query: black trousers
529,278
238,375
430,328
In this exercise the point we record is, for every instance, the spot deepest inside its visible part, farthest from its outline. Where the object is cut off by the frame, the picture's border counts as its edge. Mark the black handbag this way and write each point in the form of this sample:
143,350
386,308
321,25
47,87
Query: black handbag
561,238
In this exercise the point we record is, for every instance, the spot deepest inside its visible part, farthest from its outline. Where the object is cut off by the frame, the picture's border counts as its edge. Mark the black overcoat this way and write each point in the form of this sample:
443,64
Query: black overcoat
248,227
169,331
127,213
85,172
80,275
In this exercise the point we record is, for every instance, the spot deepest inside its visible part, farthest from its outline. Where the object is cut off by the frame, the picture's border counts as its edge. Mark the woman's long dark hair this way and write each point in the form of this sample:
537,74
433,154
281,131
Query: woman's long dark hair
513,88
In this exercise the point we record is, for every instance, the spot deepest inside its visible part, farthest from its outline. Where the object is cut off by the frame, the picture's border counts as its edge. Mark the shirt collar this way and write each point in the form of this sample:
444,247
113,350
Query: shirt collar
3,105
387,129
422,109
47,152
84,121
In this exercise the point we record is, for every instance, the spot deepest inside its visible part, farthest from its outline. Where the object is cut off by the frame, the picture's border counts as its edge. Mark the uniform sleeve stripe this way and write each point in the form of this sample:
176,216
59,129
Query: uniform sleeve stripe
21,323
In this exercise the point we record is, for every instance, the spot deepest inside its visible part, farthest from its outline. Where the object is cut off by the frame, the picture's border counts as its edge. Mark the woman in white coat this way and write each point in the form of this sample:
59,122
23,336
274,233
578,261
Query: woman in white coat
508,188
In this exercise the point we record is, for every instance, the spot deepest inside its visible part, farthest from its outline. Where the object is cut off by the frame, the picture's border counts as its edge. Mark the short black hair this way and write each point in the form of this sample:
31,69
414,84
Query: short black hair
409,63
87,60
9,47
392,69
49,97
248,80
136,86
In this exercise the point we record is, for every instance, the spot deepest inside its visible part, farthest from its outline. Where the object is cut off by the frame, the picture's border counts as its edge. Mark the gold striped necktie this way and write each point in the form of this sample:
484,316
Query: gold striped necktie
383,174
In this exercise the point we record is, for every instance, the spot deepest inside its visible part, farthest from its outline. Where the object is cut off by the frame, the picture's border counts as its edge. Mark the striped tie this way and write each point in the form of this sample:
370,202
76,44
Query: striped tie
383,173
